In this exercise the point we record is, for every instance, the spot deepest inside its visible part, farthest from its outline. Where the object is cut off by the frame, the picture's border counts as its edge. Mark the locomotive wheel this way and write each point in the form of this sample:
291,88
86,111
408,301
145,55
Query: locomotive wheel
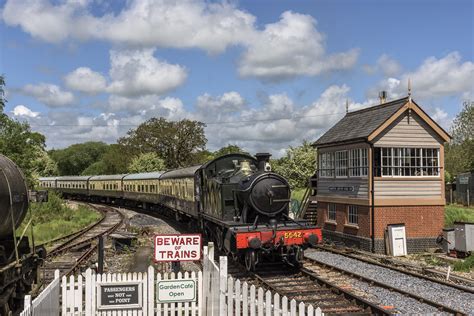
296,258
250,260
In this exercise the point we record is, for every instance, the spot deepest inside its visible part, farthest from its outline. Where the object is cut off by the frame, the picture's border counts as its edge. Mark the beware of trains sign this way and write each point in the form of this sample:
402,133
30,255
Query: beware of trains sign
177,247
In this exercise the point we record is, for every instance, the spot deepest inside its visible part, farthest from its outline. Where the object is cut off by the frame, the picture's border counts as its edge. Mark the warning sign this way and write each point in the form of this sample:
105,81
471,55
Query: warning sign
177,247
119,295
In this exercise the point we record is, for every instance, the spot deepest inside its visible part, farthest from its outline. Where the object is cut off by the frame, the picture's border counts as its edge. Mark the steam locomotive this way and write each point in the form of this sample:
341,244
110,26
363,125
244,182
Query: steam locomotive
235,200
18,261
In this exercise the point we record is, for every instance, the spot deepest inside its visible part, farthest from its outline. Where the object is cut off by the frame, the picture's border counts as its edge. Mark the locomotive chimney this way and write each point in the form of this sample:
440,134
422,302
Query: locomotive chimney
262,159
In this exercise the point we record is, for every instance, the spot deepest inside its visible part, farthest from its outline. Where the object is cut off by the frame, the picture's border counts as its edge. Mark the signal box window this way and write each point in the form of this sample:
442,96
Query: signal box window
332,212
353,215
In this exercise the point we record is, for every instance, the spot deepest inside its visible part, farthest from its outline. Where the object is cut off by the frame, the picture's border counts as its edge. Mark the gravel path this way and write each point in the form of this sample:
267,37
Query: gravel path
440,293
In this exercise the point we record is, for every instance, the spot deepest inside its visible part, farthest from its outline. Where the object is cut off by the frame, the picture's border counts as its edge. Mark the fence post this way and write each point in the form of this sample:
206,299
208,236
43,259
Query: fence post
222,284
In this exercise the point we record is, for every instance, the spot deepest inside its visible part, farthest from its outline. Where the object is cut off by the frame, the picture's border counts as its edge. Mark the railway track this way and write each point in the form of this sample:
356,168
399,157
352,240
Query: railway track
442,298
71,254
397,265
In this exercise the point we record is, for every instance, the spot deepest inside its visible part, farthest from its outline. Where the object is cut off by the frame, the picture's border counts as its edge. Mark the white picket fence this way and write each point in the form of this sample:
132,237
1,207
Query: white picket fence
217,294
47,303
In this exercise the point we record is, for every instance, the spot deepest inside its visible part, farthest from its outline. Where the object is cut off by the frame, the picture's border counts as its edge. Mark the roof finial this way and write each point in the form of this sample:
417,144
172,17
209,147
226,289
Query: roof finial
409,89
347,106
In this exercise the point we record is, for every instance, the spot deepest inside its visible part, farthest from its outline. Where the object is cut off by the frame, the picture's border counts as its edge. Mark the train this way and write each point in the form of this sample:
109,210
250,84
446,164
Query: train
234,200
19,261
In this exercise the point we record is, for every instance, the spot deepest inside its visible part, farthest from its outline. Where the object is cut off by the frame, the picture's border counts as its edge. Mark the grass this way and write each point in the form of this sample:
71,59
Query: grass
297,194
55,219
457,213
466,265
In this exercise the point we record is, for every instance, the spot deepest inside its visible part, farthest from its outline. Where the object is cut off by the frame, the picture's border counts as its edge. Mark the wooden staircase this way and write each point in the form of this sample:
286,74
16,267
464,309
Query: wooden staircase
309,209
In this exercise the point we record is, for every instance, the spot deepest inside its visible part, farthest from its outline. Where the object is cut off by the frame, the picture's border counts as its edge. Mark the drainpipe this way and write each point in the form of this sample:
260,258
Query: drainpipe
372,165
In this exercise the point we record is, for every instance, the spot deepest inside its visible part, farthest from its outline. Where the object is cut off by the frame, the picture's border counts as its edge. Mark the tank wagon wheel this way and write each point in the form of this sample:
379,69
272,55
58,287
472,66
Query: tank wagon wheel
250,260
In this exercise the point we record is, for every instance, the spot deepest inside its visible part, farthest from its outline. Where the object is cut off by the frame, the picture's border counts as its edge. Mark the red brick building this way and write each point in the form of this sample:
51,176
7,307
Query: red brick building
379,166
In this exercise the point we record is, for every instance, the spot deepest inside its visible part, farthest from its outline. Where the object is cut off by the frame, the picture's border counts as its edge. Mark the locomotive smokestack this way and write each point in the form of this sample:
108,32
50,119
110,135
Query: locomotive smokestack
262,159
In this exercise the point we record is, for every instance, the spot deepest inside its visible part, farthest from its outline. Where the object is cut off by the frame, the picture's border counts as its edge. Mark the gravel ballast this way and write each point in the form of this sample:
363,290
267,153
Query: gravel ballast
448,296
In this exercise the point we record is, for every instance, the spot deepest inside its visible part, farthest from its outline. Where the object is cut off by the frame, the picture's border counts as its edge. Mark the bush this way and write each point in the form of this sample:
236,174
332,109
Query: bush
457,213
465,265
55,219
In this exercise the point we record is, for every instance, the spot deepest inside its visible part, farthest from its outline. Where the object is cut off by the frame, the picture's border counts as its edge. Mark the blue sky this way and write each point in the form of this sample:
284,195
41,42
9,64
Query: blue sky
271,72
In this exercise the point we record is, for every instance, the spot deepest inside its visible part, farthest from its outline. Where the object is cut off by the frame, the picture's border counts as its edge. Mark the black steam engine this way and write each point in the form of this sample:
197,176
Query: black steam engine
245,209
18,262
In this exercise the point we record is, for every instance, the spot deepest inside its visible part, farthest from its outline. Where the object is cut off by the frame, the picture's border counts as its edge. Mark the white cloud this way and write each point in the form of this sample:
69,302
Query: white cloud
49,94
389,66
147,106
21,110
179,24
290,47
434,78
138,72
441,117
228,102
85,80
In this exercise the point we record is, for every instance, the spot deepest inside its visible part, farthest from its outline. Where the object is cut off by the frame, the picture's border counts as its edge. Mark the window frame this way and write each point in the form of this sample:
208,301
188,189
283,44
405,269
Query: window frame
353,212
338,163
332,211
401,160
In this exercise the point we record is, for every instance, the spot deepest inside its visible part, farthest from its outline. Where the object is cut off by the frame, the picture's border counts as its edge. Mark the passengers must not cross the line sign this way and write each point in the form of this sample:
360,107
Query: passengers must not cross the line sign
185,247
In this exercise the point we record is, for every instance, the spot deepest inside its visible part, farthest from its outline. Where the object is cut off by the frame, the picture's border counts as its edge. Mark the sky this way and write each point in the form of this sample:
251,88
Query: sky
263,75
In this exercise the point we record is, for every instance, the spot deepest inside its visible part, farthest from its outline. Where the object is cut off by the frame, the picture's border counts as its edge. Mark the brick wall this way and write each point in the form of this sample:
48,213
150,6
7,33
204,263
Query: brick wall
342,223
420,221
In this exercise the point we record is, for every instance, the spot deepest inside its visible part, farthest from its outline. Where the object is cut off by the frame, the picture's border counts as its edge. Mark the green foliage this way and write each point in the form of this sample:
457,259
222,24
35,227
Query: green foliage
448,178
177,143
147,162
20,144
298,165
54,219
74,159
459,154
457,213
229,149
466,265
115,160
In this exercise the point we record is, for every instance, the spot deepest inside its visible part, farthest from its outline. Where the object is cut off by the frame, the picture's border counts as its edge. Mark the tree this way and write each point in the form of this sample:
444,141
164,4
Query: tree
147,162
229,149
177,143
18,142
74,159
459,153
298,165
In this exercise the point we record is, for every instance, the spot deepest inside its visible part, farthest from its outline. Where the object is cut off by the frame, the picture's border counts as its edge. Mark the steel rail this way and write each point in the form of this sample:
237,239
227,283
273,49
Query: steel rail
439,306
391,267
